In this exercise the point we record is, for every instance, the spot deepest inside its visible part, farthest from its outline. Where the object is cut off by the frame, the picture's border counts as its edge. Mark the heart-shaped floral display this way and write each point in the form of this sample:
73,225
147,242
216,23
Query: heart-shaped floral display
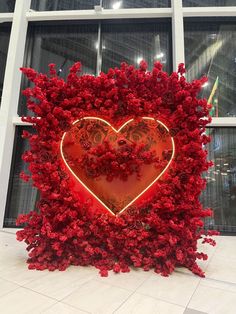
117,166
116,162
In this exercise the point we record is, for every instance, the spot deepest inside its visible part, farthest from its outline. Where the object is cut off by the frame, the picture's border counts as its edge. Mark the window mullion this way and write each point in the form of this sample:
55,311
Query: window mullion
10,96
177,33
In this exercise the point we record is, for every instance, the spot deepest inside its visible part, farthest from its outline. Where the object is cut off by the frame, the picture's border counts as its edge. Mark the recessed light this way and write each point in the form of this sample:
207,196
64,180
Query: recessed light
117,5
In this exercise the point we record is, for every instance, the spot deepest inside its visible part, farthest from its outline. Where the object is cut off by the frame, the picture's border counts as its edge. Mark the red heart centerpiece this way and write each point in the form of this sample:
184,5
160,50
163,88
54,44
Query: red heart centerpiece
117,166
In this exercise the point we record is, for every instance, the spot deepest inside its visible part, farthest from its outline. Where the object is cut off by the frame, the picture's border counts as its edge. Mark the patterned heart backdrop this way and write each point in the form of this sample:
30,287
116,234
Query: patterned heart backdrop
117,166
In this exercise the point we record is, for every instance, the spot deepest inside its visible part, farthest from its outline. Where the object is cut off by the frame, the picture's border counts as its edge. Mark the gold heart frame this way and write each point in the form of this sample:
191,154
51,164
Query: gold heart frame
117,131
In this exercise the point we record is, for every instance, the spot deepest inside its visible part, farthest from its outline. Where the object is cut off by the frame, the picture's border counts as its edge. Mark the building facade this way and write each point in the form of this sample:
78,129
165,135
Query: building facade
102,34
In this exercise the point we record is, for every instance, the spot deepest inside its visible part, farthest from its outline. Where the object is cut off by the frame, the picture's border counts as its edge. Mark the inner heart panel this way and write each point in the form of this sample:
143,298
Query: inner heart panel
117,166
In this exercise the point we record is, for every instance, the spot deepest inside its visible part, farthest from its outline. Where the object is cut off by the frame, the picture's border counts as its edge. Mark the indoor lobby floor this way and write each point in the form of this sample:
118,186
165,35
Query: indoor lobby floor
82,290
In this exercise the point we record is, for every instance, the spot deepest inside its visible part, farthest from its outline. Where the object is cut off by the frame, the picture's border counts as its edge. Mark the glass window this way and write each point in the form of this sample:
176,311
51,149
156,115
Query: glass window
7,6
5,30
52,5
220,193
208,3
56,5
62,44
115,4
22,196
210,47
132,42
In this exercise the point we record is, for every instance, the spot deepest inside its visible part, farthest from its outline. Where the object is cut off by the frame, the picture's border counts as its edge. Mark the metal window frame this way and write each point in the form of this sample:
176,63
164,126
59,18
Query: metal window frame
12,80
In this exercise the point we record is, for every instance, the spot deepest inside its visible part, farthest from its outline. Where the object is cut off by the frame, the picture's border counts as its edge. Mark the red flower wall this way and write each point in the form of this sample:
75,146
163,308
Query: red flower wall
160,232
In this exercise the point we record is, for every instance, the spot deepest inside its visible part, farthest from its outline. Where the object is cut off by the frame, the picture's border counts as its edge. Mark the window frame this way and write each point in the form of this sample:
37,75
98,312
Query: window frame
12,81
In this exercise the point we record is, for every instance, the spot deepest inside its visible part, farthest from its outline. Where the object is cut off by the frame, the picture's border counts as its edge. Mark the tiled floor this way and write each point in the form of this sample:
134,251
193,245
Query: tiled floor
82,290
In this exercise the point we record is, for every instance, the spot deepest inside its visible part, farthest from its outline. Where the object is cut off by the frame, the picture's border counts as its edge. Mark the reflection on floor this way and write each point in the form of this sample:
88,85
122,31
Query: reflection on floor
81,290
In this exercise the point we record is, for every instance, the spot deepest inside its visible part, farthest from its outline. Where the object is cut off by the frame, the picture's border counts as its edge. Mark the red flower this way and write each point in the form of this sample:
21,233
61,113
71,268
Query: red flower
159,233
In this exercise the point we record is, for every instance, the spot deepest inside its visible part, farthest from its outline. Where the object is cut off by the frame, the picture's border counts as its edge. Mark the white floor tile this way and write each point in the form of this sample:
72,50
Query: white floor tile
61,308
60,284
6,287
213,301
191,311
23,301
97,297
82,290
141,304
129,281
222,268
20,274
12,254
12,257
207,248
177,288
219,284
226,247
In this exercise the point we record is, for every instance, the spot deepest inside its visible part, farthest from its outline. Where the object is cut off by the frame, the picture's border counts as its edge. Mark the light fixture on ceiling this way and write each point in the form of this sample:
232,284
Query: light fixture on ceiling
205,84
139,59
117,5
96,46
160,55
212,36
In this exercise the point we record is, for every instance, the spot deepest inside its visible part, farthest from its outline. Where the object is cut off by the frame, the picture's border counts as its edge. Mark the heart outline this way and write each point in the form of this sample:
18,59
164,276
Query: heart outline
117,131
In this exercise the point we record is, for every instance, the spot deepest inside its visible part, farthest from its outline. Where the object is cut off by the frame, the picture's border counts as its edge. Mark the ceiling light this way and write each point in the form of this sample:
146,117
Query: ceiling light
97,46
160,55
213,36
205,84
117,5
139,59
